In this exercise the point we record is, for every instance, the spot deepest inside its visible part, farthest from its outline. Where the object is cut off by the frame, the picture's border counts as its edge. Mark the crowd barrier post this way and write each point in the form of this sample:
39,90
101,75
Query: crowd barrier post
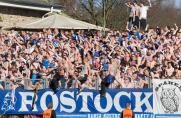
7,84
97,83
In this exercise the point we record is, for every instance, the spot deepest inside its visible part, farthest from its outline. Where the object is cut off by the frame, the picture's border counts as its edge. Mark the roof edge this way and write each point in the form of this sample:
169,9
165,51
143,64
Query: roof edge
28,7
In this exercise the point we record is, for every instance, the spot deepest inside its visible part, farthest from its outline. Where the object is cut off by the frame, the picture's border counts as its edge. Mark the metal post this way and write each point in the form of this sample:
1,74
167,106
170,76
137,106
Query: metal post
150,82
26,83
7,84
97,83
46,83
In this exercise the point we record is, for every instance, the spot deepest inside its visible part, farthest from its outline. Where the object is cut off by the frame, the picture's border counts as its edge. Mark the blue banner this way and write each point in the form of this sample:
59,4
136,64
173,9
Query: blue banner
86,104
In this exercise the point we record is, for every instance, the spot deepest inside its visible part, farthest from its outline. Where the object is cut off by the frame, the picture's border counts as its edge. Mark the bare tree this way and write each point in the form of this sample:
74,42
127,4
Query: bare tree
99,10
89,6
114,14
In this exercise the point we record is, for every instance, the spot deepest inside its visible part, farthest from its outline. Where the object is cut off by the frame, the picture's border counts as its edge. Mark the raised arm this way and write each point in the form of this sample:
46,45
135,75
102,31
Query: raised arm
175,29
150,5
127,4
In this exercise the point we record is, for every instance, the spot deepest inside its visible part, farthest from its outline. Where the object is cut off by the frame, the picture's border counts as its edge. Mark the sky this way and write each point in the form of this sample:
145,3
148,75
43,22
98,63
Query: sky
173,3
178,3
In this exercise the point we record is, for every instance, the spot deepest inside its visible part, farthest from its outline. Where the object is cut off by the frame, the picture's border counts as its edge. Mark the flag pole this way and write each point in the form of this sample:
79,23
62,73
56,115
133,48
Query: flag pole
35,94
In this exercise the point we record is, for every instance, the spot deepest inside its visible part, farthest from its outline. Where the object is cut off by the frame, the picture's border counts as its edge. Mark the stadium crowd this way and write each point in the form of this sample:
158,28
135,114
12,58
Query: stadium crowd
85,59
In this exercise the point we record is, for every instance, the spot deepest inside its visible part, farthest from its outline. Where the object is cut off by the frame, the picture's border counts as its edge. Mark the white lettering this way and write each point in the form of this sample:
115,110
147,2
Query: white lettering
67,101
98,104
54,100
111,116
140,102
25,102
94,116
143,116
85,95
117,99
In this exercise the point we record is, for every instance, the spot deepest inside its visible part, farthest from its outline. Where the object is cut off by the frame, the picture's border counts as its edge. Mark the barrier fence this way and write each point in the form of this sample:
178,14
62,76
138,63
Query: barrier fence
25,84
162,101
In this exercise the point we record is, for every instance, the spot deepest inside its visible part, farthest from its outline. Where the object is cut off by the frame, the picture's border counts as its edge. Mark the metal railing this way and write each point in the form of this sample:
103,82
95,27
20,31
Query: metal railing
22,83
26,83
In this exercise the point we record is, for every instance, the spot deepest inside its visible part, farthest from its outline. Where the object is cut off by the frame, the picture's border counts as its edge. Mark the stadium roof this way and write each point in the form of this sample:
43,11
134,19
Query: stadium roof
40,5
60,21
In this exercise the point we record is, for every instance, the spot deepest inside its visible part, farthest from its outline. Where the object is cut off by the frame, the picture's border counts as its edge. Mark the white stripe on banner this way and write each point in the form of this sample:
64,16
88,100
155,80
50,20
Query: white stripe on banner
168,116
73,116
166,97
97,116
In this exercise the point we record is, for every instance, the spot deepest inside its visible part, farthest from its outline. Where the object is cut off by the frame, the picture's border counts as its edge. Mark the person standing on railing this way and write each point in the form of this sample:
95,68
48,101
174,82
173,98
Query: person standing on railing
143,15
131,14
49,113
137,14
